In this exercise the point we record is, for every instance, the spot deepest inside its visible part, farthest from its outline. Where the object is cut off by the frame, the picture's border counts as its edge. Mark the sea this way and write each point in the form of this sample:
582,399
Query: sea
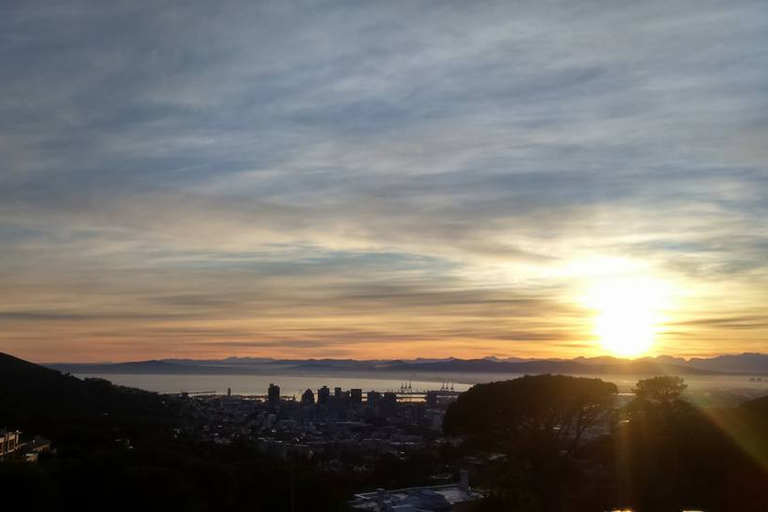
720,390
258,384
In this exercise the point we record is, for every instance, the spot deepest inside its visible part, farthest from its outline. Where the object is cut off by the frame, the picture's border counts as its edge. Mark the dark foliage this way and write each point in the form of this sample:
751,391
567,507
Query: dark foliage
663,454
85,412
670,455
549,408
96,468
540,422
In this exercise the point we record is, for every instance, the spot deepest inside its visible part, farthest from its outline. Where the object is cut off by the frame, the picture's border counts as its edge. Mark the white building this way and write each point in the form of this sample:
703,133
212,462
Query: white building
9,443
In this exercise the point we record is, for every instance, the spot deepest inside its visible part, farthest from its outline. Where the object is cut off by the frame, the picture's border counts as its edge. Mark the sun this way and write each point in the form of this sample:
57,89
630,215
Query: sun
627,313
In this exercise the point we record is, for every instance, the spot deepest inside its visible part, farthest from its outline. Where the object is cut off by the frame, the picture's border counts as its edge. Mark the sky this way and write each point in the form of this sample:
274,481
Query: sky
382,179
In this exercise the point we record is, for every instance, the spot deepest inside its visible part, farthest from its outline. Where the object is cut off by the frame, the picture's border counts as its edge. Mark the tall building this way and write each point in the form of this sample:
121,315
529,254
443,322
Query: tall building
273,395
390,396
323,395
388,404
337,392
356,396
308,398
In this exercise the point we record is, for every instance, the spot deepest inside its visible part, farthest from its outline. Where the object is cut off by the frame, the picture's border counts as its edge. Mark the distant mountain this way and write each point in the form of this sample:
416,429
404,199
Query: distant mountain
150,368
668,360
511,359
743,363
341,364
756,364
429,360
246,361
573,367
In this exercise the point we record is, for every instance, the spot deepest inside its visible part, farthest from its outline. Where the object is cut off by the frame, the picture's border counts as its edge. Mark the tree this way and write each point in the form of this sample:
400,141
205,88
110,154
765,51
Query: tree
672,455
663,389
555,408
657,404
540,422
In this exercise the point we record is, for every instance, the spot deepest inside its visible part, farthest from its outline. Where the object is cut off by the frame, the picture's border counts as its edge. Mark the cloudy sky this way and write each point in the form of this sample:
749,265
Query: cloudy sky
380,179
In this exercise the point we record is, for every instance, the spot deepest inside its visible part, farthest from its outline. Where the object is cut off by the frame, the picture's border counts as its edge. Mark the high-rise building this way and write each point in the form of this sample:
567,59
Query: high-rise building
356,396
388,404
273,395
390,396
323,395
308,398
337,392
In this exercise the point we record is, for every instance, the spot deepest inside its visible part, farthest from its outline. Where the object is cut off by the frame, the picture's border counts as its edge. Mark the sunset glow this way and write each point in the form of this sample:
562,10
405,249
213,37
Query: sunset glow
627,314
270,255
373,179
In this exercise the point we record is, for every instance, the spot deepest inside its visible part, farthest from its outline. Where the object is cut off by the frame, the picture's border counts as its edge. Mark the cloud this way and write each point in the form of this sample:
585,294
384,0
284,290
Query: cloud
318,160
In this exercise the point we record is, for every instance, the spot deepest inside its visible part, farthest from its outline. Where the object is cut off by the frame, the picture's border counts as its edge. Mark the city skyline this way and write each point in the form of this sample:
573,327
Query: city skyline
382,180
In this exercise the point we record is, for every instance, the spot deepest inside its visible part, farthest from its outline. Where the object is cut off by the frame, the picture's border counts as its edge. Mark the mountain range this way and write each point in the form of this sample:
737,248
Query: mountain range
741,364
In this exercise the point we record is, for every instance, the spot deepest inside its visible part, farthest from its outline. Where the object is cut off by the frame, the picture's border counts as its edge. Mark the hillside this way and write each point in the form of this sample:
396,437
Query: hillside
43,401
95,469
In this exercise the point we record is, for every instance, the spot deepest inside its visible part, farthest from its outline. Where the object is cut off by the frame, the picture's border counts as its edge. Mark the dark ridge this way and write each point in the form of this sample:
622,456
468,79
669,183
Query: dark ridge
60,406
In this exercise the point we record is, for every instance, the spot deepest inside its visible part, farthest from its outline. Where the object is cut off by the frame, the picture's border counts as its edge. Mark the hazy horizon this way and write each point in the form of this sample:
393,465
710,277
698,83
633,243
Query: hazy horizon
383,180
363,360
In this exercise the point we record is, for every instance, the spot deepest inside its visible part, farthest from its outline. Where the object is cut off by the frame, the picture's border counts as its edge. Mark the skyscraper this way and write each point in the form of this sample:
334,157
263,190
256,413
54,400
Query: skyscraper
323,395
273,395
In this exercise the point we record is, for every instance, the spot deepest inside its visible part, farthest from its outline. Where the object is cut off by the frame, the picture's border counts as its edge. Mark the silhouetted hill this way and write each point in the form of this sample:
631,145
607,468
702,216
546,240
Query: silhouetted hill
758,407
64,408
13,368
95,469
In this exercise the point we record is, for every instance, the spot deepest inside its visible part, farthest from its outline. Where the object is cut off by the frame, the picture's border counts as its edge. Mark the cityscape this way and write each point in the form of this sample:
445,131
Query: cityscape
393,450
323,424
339,431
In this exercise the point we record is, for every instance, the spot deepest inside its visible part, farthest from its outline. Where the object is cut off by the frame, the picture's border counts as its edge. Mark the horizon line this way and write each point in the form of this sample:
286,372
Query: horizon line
489,357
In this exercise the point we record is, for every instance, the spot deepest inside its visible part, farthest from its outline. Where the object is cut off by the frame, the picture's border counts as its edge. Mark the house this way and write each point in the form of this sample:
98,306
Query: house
33,448
9,443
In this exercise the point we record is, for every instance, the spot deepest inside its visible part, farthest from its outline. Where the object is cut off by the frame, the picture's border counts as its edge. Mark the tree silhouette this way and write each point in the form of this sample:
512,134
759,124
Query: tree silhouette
663,389
539,421
555,408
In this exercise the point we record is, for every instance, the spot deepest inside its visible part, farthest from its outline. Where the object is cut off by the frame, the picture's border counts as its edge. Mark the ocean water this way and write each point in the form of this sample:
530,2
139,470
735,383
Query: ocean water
258,384
704,390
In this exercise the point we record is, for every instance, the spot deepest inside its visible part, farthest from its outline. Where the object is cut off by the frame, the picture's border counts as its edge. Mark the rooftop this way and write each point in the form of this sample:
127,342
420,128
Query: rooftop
434,498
